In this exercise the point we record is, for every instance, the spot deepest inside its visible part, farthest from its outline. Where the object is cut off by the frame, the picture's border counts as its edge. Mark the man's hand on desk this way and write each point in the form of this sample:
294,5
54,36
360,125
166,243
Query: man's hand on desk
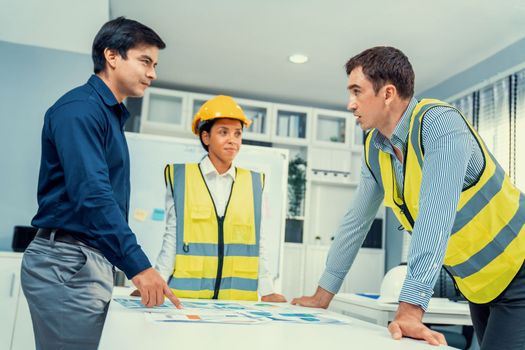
152,288
321,299
273,298
407,323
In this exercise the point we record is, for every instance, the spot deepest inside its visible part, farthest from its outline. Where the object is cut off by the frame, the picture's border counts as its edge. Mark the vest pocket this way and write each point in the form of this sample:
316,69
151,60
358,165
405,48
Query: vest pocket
245,267
189,266
200,212
241,234
198,229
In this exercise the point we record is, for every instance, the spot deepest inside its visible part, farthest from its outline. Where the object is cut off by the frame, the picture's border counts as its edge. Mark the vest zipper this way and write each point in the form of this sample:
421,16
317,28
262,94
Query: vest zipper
220,239
220,221
404,210
220,248
403,207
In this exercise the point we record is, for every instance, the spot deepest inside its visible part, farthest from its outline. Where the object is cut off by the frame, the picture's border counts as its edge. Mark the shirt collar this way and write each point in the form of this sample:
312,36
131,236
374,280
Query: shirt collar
208,168
400,134
109,99
103,90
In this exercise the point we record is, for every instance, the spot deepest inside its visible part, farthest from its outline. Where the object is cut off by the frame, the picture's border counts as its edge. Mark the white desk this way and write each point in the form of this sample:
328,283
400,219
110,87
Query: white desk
440,311
128,329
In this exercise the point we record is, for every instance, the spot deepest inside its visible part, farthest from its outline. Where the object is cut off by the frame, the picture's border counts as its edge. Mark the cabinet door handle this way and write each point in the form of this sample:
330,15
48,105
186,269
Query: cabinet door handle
13,277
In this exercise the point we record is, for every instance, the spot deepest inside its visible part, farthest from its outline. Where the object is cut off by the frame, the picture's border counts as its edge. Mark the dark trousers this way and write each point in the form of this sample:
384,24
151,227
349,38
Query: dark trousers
500,324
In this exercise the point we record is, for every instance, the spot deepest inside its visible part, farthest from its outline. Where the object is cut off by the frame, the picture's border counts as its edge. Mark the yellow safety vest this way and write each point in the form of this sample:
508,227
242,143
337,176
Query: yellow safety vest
216,257
486,247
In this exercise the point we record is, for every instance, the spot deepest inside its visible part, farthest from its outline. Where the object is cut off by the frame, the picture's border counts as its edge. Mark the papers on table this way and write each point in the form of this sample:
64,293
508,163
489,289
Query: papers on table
229,312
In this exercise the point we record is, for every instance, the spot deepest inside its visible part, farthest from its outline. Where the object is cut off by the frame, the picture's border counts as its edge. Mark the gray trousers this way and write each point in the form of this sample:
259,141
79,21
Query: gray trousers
500,324
68,288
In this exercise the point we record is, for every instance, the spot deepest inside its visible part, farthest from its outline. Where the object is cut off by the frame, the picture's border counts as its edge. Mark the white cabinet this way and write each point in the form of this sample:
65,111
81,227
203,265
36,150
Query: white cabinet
358,135
170,113
164,112
261,115
323,218
366,273
306,264
333,128
16,330
195,102
291,125
23,338
9,287
293,270
315,261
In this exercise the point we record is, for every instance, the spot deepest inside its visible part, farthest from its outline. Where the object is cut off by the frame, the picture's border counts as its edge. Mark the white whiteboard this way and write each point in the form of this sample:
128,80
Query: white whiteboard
149,154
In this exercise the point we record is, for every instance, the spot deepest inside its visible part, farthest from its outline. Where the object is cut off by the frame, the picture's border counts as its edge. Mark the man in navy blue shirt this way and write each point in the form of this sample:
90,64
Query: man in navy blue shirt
83,197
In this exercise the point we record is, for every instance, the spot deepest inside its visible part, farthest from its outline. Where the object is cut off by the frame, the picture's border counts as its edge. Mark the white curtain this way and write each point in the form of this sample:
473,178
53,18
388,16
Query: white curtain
520,131
494,120
465,105
500,118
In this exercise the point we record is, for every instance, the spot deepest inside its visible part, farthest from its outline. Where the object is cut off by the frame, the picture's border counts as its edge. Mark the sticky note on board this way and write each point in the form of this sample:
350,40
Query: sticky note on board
140,214
158,214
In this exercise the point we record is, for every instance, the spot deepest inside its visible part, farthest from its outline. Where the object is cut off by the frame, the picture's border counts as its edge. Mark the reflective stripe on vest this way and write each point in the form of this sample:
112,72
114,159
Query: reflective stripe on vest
486,247
202,236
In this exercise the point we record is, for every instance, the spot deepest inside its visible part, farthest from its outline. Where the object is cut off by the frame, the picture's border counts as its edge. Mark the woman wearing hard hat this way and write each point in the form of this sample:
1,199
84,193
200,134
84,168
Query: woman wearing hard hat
213,247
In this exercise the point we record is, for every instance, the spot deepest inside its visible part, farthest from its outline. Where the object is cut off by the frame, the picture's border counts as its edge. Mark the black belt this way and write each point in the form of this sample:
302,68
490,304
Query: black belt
61,236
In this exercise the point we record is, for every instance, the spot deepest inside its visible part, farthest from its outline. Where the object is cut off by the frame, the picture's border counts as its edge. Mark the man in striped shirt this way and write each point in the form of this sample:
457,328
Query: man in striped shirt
461,209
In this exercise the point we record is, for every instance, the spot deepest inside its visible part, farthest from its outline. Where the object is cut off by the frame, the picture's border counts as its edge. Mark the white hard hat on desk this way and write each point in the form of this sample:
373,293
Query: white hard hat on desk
392,284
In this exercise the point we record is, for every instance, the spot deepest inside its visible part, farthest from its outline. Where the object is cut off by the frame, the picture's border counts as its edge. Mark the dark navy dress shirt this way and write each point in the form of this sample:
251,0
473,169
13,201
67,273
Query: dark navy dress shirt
84,183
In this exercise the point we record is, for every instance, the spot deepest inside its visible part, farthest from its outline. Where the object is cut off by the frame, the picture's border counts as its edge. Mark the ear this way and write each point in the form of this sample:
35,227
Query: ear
111,57
205,136
390,93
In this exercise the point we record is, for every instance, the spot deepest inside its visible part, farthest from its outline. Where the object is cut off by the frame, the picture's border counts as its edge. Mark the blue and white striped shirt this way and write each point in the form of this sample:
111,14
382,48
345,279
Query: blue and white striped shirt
453,160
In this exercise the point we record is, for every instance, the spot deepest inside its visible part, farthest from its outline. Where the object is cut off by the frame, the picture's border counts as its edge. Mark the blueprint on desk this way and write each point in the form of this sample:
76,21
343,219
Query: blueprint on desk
229,312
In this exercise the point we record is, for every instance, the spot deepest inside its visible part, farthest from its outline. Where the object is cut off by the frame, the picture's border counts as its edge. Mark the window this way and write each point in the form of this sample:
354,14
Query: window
497,111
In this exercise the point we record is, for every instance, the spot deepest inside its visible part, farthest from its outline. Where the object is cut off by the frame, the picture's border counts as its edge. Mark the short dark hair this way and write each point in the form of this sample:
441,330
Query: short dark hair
121,34
383,65
206,126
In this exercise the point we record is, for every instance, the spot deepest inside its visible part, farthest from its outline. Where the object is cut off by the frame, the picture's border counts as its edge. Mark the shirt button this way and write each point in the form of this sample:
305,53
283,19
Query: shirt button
435,266
423,294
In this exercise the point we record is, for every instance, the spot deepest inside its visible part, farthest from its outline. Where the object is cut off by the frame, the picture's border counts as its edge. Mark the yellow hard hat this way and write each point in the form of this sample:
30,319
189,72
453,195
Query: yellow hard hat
219,107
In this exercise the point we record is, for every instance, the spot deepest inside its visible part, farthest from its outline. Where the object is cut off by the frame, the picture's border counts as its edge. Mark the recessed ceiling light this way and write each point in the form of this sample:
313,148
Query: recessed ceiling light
298,58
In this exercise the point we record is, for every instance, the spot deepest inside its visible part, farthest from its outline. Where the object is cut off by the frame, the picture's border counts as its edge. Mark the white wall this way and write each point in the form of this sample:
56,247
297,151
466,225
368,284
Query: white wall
68,25
45,47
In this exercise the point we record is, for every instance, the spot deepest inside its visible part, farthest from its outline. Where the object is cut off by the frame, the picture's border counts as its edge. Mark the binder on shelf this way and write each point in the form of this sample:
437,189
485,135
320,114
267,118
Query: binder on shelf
301,133
260,118
255,124
283,125
294,126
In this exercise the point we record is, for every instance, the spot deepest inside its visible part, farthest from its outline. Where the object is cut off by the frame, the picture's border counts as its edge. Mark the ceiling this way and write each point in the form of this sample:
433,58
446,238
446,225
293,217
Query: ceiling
241,47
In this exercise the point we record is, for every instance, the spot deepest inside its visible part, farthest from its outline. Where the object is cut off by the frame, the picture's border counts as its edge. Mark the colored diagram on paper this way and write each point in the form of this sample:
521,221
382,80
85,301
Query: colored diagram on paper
135,304
294,317
189,316
229,312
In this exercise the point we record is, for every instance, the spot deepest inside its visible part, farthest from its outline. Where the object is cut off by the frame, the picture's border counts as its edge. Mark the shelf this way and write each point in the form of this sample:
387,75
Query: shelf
291,124
332,128
260,113
334,182
163,110
359,135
